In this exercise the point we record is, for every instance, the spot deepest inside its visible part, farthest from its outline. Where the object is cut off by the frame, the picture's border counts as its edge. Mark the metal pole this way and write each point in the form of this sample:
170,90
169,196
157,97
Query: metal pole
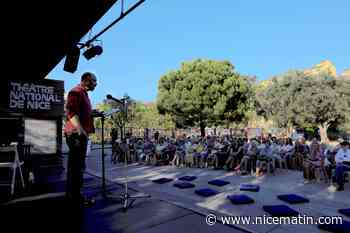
126,153
103,156
114,22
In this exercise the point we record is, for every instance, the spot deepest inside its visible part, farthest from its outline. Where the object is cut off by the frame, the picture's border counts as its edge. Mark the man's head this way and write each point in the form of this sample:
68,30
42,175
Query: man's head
88,81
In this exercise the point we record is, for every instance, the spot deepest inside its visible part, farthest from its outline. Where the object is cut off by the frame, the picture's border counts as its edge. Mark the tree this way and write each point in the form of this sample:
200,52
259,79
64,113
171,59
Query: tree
204,93
103,107
275,99
114,118
140,116
147,116
313,101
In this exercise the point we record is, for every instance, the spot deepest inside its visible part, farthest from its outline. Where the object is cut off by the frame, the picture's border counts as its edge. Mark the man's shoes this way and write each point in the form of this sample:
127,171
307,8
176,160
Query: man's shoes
340,188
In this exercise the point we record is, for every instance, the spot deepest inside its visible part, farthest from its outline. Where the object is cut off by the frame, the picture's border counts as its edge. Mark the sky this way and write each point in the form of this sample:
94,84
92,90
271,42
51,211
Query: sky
260,38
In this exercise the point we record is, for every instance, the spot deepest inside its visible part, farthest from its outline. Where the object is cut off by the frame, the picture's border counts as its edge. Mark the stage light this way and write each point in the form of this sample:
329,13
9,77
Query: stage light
93,51
72,60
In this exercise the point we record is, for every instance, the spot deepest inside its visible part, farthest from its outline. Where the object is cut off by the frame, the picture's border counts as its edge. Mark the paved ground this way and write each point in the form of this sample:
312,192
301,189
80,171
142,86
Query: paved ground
169,209
44,209
324,200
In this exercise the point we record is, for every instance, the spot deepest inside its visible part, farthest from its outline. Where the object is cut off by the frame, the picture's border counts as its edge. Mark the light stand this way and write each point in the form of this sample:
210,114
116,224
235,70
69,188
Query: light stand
125,197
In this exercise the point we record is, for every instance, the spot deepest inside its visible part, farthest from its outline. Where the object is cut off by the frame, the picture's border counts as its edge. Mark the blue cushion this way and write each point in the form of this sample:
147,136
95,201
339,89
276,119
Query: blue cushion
293,198
188,178
345,211
280,210
240,199
184,185
162,180
250,187
337,228
218,182
206,192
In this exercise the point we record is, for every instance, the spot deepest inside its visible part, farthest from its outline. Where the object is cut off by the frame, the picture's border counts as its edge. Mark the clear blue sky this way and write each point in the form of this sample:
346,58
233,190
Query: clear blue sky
261,38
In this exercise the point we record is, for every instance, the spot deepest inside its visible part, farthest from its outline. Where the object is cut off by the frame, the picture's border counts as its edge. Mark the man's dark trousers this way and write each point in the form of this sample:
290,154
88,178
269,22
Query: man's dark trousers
77,145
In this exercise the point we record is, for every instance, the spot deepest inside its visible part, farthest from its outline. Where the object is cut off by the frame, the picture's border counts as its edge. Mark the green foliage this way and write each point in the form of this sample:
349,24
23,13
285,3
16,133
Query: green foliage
103,107
140,116
296,99
147,116
276,101
204,92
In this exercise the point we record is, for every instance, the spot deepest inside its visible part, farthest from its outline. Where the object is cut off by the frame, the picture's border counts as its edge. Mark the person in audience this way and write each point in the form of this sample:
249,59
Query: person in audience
250,156
189,161
313,161
198,149
116,152
275,149
139,146
301,151
289,151
204,155
170,151
148,149
264,158
235,155
329,162
221,154
342,160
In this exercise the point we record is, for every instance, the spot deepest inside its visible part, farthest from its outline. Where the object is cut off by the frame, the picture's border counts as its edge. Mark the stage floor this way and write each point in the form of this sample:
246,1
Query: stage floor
324,200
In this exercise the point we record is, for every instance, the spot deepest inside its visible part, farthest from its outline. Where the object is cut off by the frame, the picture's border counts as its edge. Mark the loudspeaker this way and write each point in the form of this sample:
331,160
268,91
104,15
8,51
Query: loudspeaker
72,60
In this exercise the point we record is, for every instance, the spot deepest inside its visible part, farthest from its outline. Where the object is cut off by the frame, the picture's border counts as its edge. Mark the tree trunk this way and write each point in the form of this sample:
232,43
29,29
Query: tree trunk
289,131
122,133
323,132
202,126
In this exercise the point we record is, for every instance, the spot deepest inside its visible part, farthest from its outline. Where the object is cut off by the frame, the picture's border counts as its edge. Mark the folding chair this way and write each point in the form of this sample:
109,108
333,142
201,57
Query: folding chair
9,158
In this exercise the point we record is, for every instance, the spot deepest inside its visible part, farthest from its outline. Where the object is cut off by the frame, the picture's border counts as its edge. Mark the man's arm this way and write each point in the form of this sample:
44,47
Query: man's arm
76,123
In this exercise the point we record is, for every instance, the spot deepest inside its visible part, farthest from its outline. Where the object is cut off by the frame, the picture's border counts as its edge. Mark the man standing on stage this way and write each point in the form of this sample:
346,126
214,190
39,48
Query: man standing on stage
78,126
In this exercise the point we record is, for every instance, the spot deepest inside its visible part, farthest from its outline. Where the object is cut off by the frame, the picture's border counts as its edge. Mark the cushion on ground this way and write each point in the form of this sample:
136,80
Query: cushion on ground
337,228
240,199
206,192
184,185
345,211
293,198
249,187
218,182
280,210
188,178
162,180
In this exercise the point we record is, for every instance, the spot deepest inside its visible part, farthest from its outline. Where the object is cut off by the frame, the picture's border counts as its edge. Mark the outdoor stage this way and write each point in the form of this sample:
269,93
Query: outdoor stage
324,200
169,209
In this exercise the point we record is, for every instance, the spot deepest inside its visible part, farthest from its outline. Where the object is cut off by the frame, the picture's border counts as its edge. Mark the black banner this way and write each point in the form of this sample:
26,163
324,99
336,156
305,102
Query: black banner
44,97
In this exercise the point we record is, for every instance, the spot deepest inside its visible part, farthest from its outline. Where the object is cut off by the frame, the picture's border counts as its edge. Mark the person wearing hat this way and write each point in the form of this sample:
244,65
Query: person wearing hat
342,159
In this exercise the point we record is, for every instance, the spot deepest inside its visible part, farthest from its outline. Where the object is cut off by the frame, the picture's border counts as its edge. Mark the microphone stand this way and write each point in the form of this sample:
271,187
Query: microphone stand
102,116
123,197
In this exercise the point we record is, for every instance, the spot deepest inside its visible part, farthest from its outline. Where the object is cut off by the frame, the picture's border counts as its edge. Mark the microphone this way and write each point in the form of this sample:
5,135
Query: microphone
110,97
